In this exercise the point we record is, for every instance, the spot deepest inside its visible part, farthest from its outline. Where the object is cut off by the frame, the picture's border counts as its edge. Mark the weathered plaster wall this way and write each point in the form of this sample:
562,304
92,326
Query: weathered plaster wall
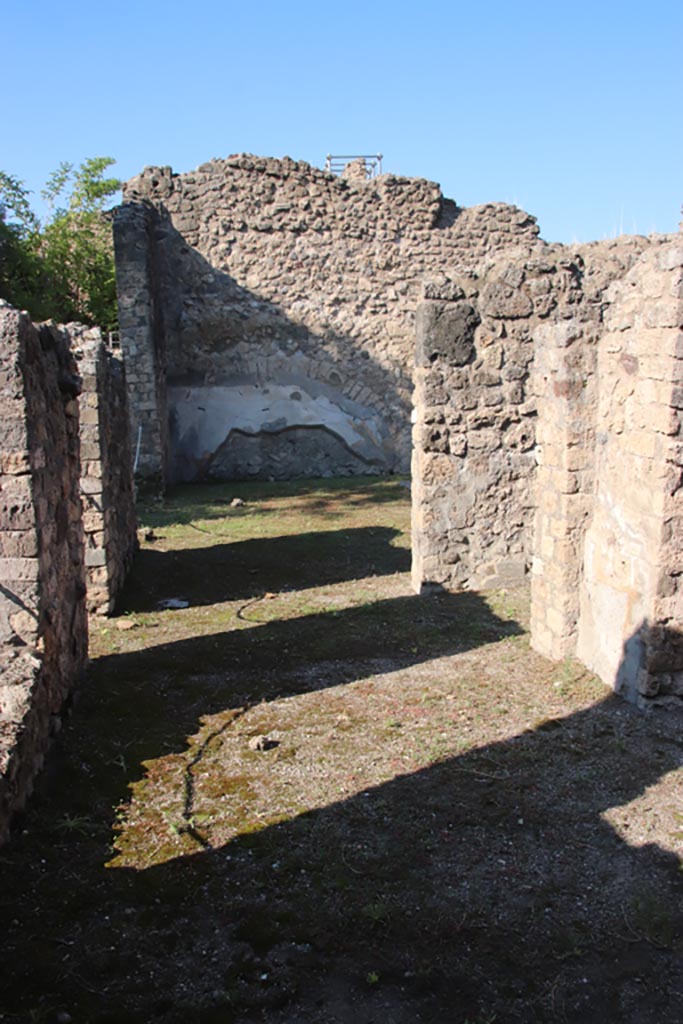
43,625
249,429
261,279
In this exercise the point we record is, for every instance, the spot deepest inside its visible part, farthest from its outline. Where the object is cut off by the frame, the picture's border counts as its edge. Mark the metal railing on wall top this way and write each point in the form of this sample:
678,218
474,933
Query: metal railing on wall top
338,164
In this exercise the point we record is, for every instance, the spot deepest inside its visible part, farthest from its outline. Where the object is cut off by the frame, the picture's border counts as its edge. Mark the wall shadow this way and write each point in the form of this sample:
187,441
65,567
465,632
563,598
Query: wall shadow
243,569
496,884
651,666
135,709
187,503
207,313
487,887
168,687
484,887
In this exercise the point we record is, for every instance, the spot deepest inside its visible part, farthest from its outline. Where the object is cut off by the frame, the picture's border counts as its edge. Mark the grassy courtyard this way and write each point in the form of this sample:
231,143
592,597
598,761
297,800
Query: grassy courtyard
305,795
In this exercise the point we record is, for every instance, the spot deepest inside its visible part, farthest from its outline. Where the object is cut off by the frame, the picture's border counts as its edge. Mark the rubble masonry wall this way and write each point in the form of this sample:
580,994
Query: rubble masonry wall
480,340
67,526
267,313
548,437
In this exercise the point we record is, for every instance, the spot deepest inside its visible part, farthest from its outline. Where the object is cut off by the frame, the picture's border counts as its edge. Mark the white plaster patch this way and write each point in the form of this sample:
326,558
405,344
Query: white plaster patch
202,418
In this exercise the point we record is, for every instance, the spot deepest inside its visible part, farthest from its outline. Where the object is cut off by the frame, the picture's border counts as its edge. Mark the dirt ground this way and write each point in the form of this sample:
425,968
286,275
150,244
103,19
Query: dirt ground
312,797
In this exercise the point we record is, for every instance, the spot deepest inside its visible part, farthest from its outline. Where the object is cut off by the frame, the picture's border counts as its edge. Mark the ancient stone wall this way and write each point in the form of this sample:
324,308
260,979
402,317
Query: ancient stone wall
548,436
282,300
43,626
607,568
107,491
480,341
141,331
269,312
472,444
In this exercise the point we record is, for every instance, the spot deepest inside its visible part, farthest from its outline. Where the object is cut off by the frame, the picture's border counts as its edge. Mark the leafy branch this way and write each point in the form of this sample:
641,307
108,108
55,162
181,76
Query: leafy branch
64,268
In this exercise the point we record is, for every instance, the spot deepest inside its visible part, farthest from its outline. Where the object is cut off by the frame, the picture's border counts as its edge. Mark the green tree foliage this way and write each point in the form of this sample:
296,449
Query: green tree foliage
63,268
20,267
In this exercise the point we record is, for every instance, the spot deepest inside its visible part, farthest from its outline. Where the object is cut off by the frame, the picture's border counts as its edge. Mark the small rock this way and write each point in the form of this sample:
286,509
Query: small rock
124,624
236,503
150,534
172,603
261,743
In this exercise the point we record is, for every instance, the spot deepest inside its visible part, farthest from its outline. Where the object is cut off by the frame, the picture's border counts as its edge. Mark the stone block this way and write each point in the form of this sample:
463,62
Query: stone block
445,332
12,569
95,557
16,503
501,300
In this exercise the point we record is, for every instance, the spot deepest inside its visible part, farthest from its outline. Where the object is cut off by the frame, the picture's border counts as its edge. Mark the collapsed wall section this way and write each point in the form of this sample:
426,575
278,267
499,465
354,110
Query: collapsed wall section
287,299
107,491
43,625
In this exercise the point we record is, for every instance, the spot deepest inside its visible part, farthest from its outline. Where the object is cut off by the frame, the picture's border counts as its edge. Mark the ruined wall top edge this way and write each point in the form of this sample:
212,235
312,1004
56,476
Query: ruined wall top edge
81,336
157,180
156,184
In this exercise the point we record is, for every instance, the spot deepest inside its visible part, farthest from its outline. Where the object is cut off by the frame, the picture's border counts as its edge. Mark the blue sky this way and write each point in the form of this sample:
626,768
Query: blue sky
572,111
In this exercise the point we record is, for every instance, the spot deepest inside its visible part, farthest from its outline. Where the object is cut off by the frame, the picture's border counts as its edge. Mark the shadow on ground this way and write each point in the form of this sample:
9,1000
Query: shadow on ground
481,884
243,569
274,659
186,503
483,888
486,887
